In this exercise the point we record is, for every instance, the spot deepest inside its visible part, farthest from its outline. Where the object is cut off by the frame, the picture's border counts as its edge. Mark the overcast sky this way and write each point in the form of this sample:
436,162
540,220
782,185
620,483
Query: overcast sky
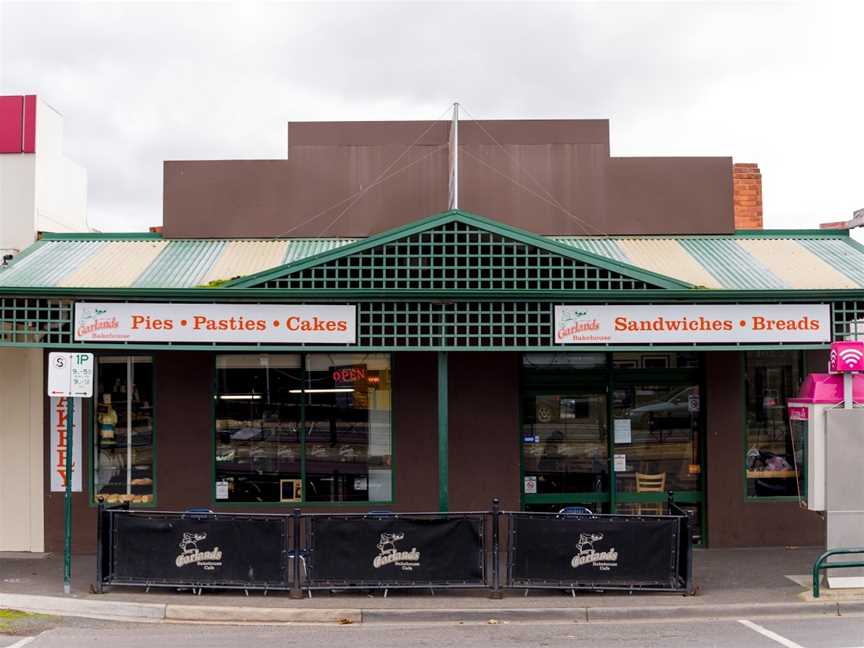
779,84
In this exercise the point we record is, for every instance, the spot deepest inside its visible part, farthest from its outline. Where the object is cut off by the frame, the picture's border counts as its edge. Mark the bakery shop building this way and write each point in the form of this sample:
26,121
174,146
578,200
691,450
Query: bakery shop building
321,332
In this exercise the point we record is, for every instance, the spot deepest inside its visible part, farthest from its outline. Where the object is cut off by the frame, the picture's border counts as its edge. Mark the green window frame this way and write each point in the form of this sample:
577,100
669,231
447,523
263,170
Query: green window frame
612,372
93,437
304,417
799,364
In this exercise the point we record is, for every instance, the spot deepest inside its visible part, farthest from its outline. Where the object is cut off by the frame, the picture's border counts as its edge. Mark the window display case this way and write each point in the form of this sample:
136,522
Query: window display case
123,435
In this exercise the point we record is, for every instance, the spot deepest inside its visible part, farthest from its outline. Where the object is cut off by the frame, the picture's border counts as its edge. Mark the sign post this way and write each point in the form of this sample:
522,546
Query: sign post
70,375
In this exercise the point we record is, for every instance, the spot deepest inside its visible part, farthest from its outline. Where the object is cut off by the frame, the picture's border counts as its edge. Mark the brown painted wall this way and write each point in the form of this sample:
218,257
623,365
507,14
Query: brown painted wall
328,162
415,428
484,430
734,521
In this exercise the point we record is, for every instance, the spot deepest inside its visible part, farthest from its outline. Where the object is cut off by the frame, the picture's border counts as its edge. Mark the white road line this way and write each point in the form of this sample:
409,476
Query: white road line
22,642
765,632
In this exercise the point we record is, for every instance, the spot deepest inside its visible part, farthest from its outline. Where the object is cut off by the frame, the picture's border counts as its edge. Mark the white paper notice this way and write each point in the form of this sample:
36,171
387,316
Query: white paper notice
222,490
620,463
530,485
623,431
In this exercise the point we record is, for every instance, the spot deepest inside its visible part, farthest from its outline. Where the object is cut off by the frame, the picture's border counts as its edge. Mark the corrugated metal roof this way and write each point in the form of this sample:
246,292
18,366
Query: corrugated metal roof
731,265
667,257
147,262
246,257
117,263
743,261
45,264
796,265
181,264
600,246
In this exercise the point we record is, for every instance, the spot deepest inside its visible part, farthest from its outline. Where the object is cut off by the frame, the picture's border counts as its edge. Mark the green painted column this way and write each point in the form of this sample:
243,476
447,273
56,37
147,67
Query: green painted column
443,467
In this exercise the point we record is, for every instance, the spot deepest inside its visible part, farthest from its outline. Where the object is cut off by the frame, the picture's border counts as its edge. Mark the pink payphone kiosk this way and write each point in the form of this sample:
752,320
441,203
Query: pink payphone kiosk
827,427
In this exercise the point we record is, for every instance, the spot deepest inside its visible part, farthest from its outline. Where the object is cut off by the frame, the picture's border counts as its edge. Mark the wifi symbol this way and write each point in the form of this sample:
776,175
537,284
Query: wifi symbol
851,357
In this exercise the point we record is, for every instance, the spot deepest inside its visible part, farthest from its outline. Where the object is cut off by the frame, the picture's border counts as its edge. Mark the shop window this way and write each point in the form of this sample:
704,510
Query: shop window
123,435
771,377
265,403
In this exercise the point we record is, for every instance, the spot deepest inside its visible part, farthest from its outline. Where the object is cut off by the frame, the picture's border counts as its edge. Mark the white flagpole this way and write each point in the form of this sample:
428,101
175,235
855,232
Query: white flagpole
455,153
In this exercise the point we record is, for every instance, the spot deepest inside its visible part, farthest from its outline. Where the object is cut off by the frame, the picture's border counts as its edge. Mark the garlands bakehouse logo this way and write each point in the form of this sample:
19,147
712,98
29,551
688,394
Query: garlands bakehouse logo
587,555
192,555
577,325
93,322
389,554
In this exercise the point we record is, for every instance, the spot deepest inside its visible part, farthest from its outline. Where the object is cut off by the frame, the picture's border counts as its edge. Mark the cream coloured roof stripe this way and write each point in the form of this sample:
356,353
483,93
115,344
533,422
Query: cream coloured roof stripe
241,258
797,266
667,257
116,265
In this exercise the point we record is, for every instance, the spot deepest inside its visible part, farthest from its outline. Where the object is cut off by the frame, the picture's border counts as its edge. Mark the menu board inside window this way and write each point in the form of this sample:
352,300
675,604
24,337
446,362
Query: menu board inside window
123,430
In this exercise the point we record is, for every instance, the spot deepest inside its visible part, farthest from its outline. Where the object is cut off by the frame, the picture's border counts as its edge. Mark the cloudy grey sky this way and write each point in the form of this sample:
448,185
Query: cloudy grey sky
781,84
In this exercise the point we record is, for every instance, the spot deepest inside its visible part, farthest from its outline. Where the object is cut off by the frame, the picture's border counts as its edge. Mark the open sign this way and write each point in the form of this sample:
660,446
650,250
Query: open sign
348,375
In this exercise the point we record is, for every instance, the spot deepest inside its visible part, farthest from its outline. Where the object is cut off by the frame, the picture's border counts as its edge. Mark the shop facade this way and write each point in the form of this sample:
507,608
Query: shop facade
437,365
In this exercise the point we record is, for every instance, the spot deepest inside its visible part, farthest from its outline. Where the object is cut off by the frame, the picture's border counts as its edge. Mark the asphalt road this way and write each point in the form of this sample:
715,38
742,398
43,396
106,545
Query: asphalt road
821,632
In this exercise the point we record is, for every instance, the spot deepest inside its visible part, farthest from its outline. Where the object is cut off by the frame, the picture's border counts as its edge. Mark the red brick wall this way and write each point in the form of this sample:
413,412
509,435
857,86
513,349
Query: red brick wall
747,195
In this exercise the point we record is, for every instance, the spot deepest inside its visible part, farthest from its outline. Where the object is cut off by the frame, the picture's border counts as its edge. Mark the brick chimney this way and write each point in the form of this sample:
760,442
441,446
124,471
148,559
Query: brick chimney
747,195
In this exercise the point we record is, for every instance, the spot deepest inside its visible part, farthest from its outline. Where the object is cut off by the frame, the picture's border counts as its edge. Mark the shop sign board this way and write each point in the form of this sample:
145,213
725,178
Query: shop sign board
228,323
59,431
692,323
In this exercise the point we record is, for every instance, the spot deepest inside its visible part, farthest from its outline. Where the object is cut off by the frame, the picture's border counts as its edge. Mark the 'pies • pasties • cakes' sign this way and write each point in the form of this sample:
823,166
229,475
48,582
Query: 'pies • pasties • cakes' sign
277,323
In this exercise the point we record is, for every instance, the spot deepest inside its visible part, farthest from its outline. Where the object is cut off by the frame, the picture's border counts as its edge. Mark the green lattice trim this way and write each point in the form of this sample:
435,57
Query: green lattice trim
458,251
26,321
409,324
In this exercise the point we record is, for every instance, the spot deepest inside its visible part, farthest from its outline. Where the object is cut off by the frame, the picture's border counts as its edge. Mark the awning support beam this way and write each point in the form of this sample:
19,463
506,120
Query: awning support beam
443,467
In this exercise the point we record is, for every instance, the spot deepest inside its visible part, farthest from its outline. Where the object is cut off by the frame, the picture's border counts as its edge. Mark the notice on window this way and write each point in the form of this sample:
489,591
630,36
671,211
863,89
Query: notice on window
530,485
221,490
623,431
620,463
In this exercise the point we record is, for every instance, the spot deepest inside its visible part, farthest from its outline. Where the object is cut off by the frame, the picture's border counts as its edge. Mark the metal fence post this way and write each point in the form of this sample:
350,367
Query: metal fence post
296,592
496,573
100,546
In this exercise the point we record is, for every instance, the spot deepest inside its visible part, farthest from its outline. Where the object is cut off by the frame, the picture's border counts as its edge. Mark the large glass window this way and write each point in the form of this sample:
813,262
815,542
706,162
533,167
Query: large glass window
314,428
656,437
123,434
564,443
771,377
258,423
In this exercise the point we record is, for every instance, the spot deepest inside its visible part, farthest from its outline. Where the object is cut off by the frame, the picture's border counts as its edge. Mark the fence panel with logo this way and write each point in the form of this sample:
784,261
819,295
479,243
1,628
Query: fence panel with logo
395,550
647,552
193,549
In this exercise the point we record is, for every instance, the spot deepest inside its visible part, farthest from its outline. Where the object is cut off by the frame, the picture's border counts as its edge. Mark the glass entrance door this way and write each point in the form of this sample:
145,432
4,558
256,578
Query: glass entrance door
656,445
565,450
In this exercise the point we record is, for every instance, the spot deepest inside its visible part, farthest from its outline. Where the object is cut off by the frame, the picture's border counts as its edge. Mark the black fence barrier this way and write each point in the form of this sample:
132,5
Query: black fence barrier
623,552
395,550
193,549
389,550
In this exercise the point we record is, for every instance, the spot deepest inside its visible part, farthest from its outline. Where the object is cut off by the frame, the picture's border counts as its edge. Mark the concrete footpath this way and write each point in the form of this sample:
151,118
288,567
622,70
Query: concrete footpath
734,583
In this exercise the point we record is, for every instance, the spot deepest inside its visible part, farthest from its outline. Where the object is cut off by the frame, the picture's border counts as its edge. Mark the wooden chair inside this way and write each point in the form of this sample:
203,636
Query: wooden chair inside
650,483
